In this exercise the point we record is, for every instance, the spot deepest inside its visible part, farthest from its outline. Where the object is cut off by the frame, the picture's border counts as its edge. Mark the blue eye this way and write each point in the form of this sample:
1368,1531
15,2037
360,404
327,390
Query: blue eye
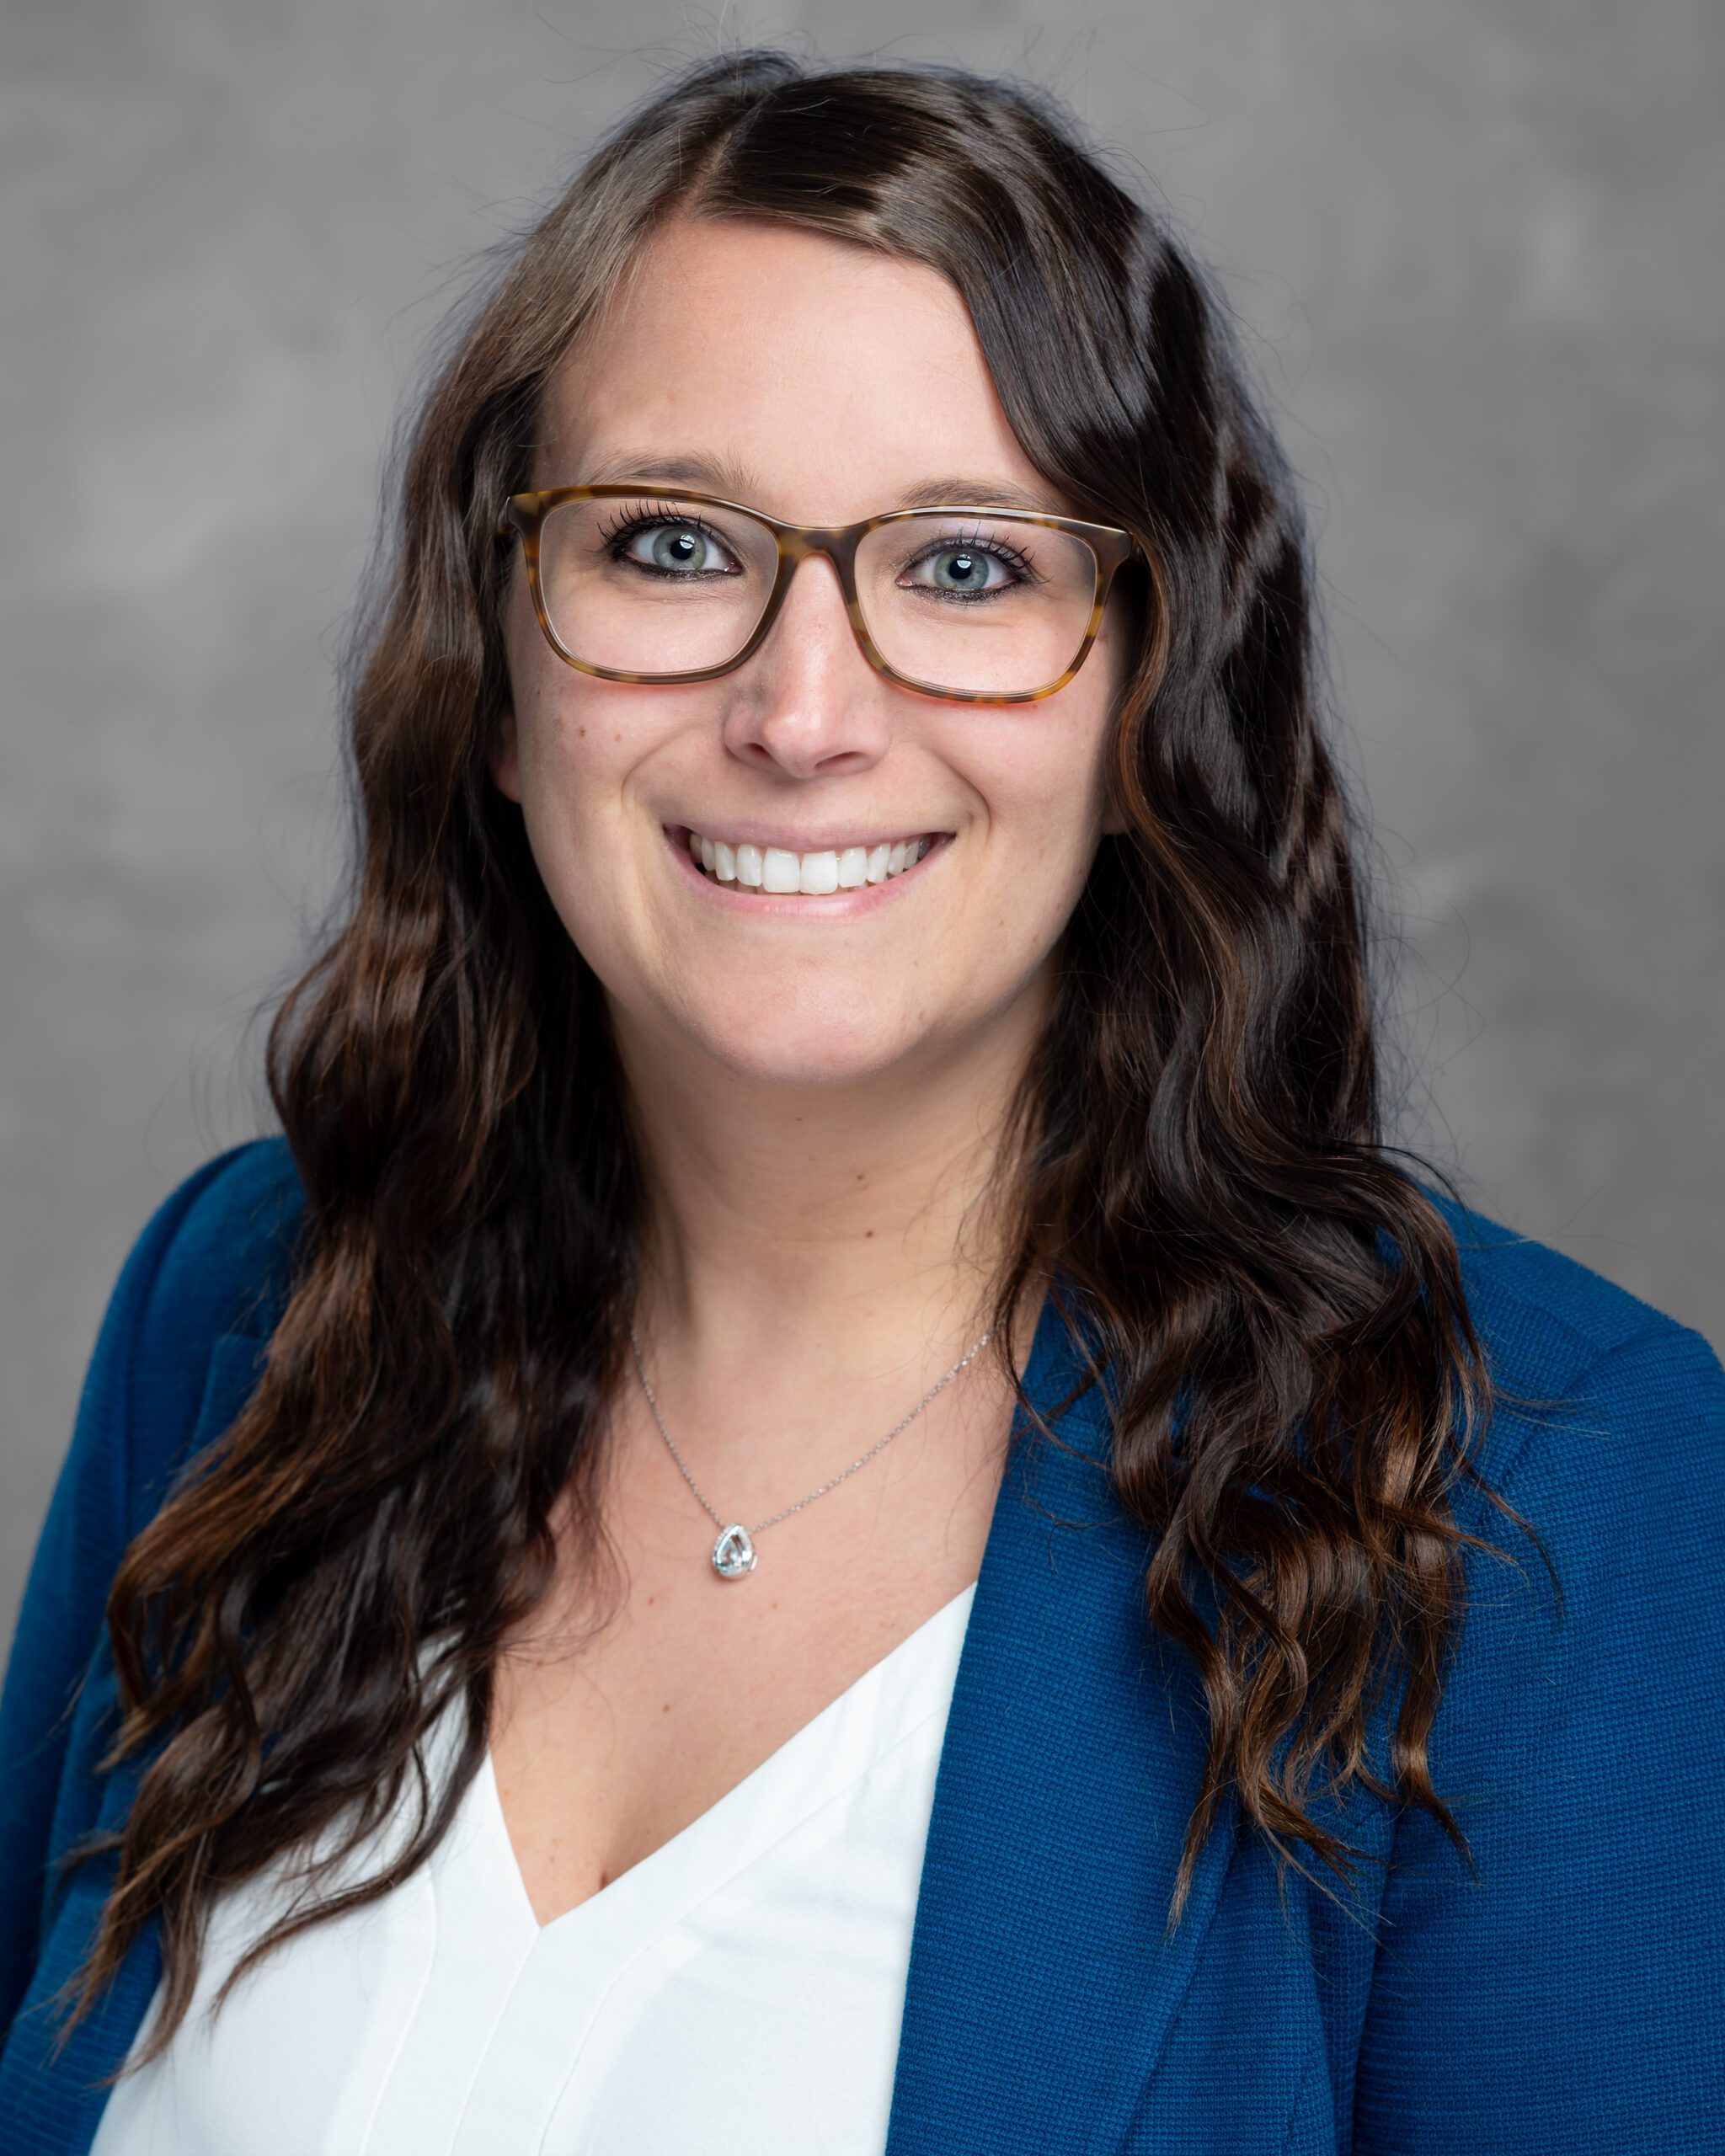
679,550
964,572
676,550
961,571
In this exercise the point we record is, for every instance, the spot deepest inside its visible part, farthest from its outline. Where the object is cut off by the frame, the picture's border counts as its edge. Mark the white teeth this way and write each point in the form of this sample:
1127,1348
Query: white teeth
776,868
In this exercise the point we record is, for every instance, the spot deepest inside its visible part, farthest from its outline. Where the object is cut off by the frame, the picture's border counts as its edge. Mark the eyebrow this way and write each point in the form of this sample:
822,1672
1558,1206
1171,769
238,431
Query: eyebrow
711,475
959,492
737,482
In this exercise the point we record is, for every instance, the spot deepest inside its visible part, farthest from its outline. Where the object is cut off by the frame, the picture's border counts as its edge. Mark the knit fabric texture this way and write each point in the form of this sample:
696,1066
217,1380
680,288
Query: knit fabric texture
1560,1993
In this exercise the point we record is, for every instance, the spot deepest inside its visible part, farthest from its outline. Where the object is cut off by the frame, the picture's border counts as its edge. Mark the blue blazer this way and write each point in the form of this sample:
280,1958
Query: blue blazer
1567,1995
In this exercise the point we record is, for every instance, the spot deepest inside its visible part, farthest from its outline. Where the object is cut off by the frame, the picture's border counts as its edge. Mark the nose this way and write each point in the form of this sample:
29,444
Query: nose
809,705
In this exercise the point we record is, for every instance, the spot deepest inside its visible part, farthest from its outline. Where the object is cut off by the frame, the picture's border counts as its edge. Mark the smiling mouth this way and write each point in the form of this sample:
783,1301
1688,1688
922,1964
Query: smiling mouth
772,868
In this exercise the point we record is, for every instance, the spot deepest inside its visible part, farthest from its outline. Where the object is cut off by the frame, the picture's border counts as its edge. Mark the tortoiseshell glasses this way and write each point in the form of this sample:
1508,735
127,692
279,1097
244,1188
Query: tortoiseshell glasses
654,584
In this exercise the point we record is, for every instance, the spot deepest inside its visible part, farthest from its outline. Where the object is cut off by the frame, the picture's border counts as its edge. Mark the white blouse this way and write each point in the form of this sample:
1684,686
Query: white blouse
740,1990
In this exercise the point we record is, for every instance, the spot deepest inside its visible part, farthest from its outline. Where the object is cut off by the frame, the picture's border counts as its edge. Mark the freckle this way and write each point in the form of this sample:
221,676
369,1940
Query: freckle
618,738
665,1709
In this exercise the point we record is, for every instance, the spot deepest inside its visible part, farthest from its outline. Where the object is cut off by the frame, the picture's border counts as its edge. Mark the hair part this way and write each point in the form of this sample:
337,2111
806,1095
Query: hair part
1197,1157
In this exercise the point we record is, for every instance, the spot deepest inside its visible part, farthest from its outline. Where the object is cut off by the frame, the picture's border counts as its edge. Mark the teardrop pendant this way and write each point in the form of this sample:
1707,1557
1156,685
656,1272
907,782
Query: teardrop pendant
734,1553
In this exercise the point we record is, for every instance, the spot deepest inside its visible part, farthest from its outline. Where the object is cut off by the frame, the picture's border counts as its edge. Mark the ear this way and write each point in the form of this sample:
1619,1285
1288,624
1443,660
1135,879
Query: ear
504,759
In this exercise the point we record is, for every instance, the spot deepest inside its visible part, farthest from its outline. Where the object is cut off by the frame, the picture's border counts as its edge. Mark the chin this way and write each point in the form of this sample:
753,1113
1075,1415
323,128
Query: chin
783,1046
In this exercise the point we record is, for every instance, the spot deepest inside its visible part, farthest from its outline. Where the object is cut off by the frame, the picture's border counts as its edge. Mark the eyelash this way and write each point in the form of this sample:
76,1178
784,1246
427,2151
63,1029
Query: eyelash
650,516
1010,556
647,516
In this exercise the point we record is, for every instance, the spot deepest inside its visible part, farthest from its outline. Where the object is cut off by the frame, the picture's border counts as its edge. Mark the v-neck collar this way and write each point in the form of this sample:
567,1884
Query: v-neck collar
1042,1984
835,1748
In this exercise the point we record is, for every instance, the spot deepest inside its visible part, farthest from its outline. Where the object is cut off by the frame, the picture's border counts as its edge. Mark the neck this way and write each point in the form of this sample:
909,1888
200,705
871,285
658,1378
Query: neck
848,1227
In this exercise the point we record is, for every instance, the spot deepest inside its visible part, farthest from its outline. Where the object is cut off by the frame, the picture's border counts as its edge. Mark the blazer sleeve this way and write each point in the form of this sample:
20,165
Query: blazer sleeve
193,1275
1568,1995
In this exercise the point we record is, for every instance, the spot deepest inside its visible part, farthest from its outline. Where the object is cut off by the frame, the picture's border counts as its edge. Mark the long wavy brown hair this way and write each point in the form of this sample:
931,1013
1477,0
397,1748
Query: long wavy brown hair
1199,1161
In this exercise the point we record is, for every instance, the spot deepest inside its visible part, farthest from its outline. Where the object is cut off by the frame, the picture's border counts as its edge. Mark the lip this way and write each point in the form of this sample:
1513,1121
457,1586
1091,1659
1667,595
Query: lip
817,838
830,906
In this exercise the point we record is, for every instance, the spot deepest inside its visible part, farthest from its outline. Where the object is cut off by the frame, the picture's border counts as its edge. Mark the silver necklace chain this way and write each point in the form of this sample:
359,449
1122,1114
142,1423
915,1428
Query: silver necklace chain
734,1553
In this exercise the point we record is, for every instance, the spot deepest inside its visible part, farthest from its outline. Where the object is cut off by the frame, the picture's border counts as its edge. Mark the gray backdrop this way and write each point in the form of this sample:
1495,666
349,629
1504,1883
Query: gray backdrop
1476,245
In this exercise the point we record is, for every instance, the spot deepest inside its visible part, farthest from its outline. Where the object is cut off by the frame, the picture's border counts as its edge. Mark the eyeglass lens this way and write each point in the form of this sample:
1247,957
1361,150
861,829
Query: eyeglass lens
975,601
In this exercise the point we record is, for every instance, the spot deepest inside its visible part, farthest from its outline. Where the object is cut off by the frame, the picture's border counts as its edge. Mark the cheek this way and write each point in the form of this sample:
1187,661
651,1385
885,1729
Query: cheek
562,752
556,758
1057,782
573,766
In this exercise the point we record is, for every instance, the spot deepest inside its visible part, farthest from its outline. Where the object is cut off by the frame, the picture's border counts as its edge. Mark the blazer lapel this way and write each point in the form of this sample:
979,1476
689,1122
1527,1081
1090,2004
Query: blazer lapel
1041,1984
1041,1987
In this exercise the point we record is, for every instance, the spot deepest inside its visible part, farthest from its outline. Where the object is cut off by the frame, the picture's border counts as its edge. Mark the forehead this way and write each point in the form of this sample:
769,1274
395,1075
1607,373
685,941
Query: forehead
825,378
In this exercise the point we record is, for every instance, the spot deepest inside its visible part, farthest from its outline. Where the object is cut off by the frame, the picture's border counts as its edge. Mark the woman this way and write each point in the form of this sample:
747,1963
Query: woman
834,1497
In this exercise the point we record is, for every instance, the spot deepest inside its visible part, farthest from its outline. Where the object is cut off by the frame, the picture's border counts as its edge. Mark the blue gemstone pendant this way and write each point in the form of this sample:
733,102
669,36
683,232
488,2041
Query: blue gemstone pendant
734,1554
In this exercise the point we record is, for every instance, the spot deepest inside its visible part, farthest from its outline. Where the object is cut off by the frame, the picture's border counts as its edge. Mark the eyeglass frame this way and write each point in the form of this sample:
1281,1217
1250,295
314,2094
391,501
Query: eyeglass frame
1111,549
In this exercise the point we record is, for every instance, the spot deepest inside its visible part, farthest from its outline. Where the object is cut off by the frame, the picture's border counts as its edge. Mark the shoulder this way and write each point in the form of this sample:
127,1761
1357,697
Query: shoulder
213,1263
1579,1363
217,1253
1542,1312
1606,1438
1575,1744
178,1353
